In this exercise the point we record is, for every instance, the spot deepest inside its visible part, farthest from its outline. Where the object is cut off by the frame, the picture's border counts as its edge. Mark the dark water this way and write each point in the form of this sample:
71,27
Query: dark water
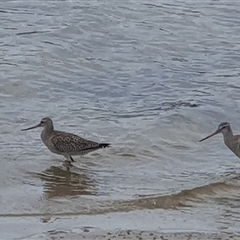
152,79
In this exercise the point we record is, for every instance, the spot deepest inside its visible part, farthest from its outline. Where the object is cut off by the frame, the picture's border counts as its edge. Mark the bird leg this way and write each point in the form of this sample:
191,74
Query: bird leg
69,161
71,158
68,157
68,164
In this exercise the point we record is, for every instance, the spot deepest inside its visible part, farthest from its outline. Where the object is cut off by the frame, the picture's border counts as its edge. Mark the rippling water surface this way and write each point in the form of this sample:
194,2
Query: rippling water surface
152,79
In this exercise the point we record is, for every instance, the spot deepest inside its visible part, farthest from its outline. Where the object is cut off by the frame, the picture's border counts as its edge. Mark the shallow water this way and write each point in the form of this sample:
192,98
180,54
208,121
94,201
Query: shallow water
152,79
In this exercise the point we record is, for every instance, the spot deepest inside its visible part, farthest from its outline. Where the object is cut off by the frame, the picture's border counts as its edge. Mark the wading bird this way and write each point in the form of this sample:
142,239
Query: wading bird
63,143
232,141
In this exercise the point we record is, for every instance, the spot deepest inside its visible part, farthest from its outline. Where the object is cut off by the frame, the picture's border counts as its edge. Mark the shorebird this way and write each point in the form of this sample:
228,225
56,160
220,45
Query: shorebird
231,141
63,143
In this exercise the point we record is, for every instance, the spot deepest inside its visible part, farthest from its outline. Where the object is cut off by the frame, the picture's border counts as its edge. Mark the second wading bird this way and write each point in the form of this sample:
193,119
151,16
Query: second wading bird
63,143
231,141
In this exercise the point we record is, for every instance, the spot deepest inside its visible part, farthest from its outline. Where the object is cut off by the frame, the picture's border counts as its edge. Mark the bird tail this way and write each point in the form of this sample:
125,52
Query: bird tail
104,145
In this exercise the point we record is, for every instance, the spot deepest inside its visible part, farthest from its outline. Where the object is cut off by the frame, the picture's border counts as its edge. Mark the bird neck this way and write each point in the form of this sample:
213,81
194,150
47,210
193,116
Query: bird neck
228,136
47,130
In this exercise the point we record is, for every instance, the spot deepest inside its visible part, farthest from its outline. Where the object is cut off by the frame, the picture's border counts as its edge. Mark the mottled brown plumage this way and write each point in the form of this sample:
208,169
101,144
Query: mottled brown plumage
63,143
231,141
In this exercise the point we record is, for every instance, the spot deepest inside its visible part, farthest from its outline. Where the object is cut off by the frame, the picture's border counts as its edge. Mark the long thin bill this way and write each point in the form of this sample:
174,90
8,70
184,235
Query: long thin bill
38,125
213,134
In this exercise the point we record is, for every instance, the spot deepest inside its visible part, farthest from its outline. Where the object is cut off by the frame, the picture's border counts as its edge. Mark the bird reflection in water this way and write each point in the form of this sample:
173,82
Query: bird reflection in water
61,183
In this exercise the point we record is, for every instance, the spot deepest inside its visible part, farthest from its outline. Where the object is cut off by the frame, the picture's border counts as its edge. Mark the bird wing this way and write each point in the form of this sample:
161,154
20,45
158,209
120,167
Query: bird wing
69,143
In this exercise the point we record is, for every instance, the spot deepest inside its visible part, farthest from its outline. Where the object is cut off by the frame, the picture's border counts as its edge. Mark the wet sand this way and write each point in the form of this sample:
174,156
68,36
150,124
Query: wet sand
140,225
94,234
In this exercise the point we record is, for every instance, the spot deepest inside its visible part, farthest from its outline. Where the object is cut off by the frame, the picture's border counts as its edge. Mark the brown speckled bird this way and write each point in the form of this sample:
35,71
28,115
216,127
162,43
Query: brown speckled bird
63,143
231,141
